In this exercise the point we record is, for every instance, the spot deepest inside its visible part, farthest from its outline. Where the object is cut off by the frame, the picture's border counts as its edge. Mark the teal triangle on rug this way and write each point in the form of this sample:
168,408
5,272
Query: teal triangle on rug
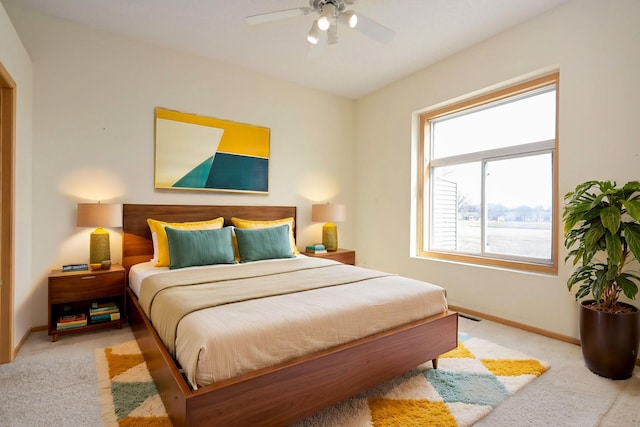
128,396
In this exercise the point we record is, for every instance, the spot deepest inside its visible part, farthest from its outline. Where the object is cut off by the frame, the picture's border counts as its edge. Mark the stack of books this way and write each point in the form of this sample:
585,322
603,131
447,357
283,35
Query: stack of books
75,267
70,321
317,248
103,312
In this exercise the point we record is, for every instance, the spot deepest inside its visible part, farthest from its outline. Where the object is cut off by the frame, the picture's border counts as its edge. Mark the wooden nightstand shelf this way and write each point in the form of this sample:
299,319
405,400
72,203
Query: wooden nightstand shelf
345,256
75,291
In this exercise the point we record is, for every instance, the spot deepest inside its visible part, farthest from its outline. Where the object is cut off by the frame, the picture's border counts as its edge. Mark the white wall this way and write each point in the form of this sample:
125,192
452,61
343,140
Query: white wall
16,61
595,45
93,134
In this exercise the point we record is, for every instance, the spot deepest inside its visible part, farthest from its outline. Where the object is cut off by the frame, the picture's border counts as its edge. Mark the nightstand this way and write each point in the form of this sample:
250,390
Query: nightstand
345,256
74,292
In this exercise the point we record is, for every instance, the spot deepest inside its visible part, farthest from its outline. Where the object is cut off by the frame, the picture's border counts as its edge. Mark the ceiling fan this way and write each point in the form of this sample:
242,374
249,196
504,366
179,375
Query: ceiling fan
331,13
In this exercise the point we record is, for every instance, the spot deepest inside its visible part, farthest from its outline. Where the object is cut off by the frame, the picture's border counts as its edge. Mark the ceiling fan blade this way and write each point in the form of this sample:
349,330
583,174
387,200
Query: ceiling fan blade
373,29
276,15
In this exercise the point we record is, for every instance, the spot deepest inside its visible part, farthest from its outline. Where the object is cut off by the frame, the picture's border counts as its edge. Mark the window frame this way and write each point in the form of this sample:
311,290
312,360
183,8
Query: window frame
423,204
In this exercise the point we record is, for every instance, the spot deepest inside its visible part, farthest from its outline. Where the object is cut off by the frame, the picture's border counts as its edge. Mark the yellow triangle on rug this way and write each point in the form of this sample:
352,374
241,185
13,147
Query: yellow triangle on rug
470,381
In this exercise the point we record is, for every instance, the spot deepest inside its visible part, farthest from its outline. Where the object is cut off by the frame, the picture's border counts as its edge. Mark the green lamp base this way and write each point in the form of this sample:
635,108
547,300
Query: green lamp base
99,249
330,236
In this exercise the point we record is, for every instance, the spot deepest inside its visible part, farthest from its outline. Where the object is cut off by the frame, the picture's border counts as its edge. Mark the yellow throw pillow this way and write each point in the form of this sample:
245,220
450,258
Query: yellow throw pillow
158,227
247,223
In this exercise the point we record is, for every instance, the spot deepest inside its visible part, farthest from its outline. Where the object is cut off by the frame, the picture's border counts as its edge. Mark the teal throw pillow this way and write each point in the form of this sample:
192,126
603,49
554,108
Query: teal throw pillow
255,244
199,247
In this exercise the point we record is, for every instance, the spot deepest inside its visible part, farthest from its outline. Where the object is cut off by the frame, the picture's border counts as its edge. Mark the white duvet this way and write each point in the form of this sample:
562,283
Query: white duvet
221,342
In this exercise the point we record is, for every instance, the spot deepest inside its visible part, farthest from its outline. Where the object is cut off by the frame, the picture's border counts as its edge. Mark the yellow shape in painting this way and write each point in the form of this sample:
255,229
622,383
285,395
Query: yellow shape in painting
237,138
392,413
513,368
460,352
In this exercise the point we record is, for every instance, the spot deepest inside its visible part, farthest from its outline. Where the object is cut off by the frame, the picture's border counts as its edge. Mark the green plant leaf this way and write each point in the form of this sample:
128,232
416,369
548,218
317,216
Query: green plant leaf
632,236
591,237
630,188
597,287
569,223
579,275
576,254
587,256
585,186
607,187
592,214
596,201
610,217
632,207
614,248
629,288
574,213
584,290
612,272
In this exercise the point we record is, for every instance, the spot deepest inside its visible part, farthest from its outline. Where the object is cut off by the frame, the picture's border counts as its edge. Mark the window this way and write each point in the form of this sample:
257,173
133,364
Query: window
488,179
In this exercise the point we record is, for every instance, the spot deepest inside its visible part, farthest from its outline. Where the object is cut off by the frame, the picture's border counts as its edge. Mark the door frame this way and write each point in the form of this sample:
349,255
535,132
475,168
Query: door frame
7,201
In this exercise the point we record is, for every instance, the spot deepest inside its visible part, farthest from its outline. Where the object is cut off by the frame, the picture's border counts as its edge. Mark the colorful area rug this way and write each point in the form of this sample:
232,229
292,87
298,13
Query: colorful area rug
128,395
470,381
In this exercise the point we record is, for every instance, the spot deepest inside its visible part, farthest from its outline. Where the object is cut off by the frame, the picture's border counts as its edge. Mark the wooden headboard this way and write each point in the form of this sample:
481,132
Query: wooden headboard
137,246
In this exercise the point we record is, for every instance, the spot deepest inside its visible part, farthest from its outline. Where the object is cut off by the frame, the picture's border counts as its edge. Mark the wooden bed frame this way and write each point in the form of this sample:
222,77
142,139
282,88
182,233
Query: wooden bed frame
287,392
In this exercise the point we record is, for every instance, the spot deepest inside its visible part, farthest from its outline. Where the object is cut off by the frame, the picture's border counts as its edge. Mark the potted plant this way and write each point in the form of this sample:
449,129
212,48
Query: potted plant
602,234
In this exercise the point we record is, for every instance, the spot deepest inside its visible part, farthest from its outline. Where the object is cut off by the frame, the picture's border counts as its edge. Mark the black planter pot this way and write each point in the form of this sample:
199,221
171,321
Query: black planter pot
609,341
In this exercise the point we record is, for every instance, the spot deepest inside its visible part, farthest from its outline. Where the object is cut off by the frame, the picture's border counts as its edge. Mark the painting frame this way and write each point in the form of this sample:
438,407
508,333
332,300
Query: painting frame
194,152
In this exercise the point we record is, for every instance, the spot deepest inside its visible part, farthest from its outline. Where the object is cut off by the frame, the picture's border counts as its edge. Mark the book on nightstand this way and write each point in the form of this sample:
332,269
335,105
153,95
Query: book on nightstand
317,248
75,267
103,307
72,317
104,312
109,317
69,321
71,325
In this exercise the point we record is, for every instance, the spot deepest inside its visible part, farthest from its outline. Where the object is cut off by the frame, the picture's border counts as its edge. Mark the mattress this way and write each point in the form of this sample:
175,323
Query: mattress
237,337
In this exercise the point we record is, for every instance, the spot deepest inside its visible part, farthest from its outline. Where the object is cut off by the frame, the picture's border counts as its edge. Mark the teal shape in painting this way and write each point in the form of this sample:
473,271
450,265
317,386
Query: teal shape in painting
234,172
197,177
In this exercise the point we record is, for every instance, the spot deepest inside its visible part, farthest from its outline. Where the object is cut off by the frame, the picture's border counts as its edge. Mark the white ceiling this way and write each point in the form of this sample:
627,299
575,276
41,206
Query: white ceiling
426,32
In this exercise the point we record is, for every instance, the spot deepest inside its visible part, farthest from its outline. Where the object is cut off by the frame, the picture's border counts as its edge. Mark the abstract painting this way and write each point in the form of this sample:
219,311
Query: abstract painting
204,153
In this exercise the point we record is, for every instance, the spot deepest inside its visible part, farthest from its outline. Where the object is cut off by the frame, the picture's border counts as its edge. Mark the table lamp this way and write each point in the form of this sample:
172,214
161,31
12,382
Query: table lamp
99,215
329,214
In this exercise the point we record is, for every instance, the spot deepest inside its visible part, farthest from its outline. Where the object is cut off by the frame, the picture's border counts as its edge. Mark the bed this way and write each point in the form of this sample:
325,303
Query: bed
287,390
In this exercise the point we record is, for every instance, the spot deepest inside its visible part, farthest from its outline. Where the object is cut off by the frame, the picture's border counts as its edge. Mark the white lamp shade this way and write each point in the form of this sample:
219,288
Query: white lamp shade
328,212
99,215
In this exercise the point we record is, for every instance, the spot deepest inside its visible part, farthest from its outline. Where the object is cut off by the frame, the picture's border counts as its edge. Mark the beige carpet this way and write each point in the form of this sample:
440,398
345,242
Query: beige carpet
469,382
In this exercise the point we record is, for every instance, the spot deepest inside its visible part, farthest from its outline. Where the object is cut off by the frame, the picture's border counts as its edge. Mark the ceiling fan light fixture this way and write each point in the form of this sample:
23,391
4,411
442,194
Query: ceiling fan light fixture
332,34
329,15
313,36
348,18
324,21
